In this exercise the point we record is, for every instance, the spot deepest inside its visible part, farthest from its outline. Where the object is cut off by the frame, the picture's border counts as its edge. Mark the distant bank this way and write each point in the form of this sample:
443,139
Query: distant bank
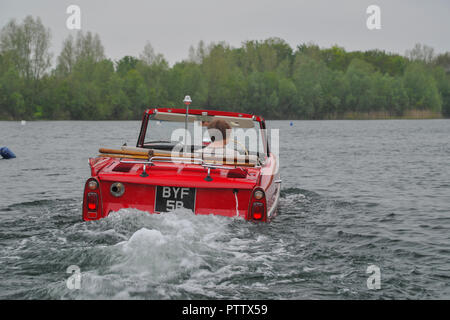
378,115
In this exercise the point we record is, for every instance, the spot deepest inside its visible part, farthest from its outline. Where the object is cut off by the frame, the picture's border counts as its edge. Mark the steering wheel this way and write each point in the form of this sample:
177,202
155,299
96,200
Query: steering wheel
242,146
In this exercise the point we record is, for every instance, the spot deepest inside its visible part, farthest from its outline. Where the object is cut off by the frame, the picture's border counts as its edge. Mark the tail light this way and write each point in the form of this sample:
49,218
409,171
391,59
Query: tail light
92,205
93,184
257,210
92,201
258,205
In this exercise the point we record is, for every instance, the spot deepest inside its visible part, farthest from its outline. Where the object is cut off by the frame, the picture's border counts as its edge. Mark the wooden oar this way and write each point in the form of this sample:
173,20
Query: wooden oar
135,149
124,156
126,152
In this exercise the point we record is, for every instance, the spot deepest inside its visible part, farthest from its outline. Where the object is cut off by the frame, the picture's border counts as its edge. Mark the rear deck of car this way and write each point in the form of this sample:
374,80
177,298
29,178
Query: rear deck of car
213,196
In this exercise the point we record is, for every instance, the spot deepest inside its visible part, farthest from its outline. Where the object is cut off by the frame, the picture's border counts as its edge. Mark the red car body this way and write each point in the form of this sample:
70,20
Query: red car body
226,190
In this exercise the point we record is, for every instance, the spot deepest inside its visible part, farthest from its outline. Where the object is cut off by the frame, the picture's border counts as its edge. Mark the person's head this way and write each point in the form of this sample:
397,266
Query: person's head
218,130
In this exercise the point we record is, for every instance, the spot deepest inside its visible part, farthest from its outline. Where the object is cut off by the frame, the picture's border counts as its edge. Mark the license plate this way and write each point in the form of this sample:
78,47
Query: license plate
172,198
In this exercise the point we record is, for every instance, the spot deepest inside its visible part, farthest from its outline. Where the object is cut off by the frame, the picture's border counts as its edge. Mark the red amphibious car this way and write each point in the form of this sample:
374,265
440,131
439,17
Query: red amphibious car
166,171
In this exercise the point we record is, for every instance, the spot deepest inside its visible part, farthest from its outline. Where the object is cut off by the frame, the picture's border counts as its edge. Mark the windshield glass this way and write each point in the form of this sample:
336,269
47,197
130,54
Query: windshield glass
163,134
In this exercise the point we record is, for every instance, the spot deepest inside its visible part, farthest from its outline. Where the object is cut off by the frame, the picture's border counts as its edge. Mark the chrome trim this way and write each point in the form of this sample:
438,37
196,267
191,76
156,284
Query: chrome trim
136,162
176,159
120,189
181,159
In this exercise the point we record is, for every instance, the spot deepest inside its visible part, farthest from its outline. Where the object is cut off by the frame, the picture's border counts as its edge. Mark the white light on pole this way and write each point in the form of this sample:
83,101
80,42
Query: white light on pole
187,101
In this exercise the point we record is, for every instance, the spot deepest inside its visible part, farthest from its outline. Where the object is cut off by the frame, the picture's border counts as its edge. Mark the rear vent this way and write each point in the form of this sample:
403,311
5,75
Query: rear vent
123,167
237,173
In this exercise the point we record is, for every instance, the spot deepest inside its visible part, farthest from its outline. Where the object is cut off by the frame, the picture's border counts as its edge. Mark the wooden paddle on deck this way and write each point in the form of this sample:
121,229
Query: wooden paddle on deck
124,156
144,153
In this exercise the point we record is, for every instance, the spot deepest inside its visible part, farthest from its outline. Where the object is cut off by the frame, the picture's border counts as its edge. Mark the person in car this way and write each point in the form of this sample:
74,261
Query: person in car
219,131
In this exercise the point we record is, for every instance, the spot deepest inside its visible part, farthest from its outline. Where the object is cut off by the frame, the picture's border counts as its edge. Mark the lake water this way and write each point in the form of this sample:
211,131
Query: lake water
354,194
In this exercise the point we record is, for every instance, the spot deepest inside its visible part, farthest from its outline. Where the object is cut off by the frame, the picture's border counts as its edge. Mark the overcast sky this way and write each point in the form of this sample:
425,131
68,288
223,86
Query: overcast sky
173,25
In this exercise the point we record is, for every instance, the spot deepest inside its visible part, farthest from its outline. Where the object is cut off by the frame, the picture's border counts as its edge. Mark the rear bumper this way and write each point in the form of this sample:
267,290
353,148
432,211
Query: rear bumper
228,202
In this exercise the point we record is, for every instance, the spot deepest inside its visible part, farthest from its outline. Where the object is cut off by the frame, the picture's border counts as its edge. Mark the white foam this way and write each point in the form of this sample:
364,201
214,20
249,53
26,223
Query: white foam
167,256
161,250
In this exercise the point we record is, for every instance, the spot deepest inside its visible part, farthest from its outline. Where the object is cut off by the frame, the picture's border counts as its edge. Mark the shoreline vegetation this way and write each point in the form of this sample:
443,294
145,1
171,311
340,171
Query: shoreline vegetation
408,115
382,115
266,77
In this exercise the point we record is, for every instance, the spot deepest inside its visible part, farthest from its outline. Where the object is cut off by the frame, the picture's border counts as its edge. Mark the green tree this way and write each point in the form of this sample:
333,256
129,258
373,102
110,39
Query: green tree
126,64
359,78
287,94
421,88
29,44
442,79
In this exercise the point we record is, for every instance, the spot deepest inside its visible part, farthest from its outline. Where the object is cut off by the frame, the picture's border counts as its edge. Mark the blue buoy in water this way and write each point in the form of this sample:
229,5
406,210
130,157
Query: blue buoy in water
6,153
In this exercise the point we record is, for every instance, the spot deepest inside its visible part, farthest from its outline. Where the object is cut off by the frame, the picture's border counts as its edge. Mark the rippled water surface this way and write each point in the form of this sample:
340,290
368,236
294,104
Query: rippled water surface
354,194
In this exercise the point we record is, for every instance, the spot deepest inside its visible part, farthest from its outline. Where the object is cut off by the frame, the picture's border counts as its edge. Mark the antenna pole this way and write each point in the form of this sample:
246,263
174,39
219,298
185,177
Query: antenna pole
187,101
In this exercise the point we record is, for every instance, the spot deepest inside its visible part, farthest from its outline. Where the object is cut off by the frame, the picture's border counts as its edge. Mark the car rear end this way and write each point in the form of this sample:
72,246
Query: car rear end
165,187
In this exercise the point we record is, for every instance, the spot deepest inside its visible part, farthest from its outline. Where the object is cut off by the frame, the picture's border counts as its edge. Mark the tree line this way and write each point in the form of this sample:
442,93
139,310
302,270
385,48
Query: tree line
266,77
